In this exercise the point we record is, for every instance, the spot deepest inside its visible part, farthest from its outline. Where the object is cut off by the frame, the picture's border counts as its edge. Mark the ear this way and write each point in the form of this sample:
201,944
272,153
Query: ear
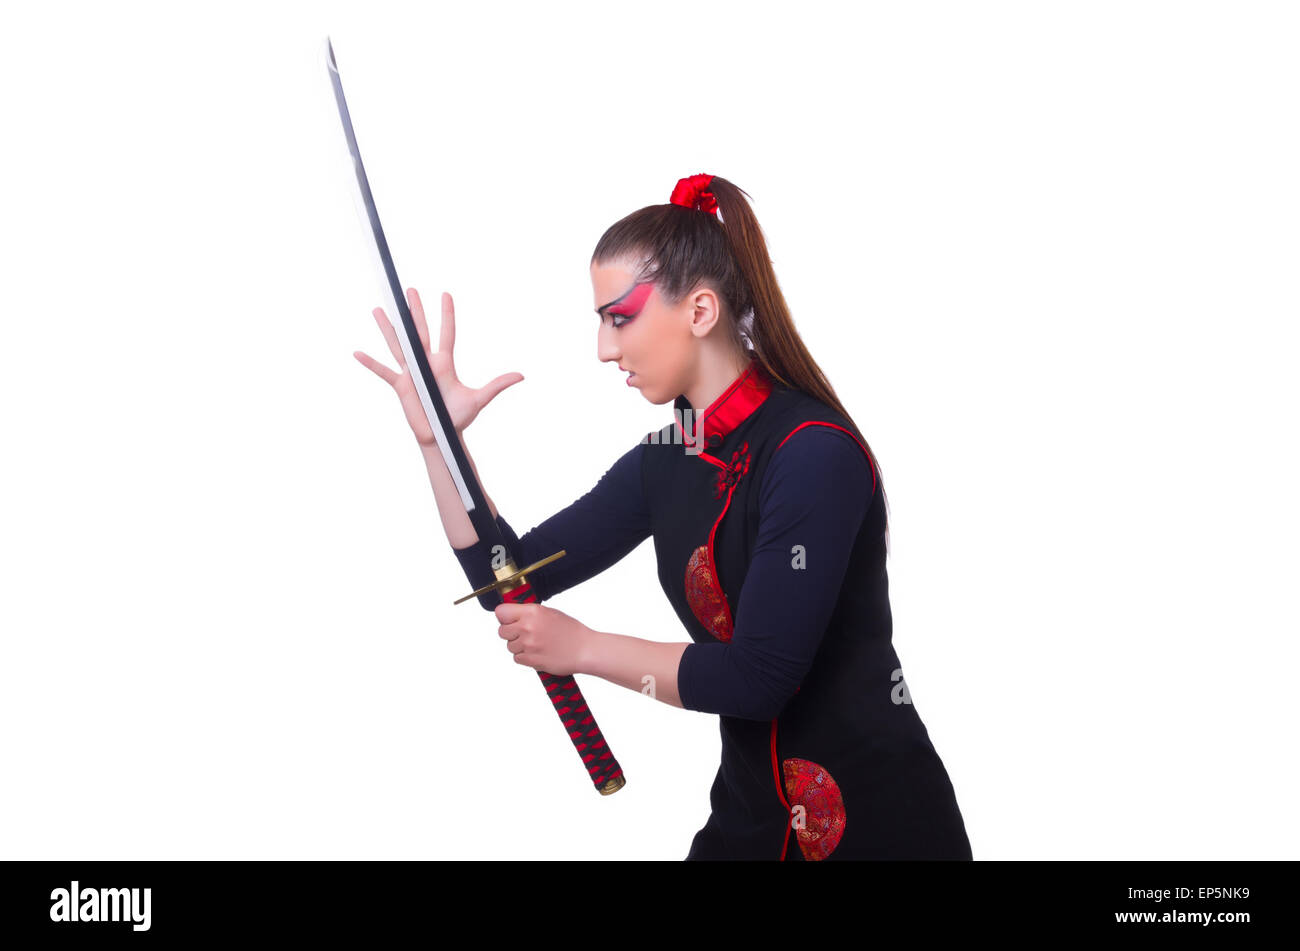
706,310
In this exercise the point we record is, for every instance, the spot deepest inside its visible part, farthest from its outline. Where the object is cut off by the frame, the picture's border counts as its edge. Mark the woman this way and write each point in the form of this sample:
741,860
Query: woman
770,528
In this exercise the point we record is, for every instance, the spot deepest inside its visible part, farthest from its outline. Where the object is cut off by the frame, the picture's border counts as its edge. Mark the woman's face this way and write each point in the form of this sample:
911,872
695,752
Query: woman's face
653,343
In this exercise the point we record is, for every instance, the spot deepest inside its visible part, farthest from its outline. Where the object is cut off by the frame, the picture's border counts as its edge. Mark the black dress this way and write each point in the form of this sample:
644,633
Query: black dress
775,563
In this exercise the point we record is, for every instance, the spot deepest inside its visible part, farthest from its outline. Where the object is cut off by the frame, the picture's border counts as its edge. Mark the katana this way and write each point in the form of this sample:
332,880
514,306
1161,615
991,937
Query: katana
512,581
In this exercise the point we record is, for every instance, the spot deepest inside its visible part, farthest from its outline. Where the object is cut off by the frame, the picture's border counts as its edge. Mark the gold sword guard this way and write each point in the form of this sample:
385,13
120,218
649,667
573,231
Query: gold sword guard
509,577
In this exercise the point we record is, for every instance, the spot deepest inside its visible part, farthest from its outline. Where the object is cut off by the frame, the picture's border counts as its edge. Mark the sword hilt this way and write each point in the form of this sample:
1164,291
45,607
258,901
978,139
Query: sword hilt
577,719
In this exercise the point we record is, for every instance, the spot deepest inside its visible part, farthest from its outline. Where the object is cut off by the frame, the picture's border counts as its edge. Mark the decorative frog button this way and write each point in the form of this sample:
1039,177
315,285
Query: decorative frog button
732,473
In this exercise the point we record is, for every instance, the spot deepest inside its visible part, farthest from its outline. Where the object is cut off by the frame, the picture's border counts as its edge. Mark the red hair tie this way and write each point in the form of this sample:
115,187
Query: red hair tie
693,192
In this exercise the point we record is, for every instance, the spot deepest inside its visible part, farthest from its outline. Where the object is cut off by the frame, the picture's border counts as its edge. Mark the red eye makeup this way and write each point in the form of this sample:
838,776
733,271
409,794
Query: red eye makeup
628,305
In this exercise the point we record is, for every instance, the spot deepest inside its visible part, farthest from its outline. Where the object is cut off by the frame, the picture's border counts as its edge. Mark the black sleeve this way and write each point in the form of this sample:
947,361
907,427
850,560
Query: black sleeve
595,531
814,496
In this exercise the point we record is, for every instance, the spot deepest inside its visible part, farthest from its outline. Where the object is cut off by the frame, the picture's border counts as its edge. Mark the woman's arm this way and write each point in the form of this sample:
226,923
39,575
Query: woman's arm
635,663
455,520
815,494
595,531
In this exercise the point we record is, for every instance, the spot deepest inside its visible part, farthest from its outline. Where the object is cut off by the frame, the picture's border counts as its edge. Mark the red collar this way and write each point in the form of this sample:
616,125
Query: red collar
736,403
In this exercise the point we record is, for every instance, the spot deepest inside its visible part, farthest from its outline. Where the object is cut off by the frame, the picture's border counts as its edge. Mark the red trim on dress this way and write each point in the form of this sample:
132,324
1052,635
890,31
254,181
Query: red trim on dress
776,775
703,587
841,429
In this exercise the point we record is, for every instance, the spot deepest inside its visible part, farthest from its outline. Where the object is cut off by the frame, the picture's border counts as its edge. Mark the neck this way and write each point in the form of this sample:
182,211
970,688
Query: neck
717,372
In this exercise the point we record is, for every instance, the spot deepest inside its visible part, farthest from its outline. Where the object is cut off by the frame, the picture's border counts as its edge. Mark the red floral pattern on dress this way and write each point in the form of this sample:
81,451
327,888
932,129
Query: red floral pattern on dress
704,594
811,785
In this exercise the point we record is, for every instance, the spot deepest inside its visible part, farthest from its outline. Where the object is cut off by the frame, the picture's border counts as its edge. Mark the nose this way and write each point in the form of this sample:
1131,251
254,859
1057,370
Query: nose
607,348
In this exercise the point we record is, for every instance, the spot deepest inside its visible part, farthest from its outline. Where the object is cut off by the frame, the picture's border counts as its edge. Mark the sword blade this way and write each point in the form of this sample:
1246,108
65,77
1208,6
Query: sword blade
435,409
565,696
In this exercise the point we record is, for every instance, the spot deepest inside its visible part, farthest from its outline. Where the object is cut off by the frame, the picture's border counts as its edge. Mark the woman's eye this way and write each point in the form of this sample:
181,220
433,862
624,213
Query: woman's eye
618,320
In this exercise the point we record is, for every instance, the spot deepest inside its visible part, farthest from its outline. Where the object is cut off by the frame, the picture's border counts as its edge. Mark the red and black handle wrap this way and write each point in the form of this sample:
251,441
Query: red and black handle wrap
578,720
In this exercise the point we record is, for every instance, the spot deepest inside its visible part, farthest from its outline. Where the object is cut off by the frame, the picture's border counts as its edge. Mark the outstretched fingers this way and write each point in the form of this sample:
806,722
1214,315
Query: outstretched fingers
390,335
385,374
447,337
488,391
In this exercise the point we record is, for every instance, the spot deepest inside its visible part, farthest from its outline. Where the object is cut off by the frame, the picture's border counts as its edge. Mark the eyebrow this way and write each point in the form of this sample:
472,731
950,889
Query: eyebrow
600,310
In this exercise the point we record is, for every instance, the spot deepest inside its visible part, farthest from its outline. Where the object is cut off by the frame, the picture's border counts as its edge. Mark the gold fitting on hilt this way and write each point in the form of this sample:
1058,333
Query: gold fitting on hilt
509,577
610,786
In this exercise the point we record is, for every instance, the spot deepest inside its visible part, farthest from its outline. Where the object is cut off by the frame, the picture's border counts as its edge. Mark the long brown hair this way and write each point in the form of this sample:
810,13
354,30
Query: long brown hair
680,247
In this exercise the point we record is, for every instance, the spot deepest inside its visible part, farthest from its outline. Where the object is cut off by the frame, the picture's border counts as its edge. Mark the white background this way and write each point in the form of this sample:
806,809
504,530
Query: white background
1045,252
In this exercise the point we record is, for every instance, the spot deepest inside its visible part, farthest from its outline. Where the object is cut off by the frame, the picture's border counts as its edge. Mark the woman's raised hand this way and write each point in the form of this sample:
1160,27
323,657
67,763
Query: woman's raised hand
463,402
